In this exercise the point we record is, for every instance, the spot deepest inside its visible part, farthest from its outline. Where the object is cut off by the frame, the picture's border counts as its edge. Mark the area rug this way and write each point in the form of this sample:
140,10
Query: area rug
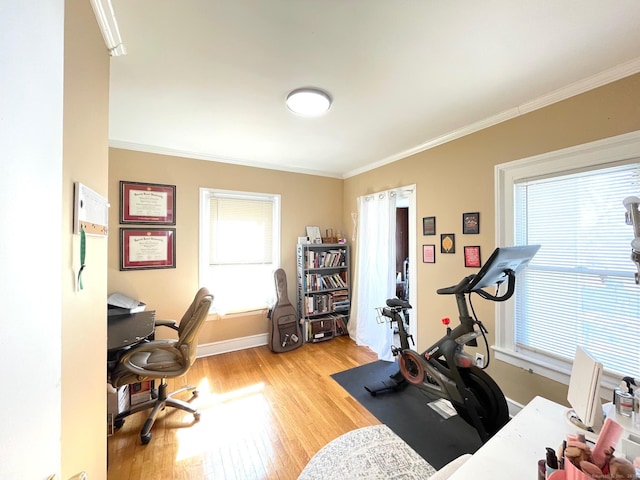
370,452
408,415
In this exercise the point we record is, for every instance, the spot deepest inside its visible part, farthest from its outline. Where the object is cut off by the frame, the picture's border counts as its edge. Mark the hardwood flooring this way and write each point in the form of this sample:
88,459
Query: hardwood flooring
263,416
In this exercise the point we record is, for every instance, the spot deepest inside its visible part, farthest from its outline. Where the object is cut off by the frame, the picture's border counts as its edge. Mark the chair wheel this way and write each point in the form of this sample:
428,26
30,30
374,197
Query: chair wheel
118,423
196,416
145,438
195,393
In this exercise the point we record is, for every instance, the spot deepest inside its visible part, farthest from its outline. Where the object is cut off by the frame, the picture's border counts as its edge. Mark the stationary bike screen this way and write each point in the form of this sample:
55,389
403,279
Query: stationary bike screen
501,261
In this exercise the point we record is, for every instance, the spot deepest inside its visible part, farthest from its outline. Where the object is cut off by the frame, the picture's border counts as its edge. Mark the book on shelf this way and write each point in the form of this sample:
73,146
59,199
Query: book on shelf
340,324
324,259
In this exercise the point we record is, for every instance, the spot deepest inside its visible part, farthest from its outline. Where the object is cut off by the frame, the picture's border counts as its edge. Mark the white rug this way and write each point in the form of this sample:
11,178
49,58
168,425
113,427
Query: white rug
370,452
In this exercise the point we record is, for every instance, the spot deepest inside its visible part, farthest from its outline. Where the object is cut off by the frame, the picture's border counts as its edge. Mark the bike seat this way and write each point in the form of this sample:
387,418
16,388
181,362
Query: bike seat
396,302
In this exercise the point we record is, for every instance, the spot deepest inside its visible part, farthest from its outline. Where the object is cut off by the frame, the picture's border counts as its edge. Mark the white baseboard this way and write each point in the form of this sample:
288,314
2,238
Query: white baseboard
232,345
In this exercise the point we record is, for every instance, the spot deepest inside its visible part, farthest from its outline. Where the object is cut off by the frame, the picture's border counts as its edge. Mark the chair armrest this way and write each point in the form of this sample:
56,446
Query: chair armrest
151,346
167,323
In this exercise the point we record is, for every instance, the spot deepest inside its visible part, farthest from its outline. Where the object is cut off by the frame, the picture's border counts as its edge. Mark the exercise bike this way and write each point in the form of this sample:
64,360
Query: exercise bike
445,370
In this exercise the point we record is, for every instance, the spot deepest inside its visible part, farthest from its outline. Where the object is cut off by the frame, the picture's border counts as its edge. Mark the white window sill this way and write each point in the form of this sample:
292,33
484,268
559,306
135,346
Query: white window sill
552,369
214,315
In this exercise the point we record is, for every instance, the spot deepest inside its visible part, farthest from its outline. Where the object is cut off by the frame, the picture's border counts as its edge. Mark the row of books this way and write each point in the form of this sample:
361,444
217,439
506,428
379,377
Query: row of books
316,281
326,327
330,258
317,304
341,324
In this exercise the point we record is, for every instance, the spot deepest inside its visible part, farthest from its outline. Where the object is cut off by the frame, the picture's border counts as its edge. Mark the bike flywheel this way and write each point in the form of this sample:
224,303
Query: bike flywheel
412,367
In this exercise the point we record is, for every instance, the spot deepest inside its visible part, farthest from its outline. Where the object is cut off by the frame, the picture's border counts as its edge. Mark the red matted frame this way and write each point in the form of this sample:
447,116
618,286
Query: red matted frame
147,203
472,256
144,248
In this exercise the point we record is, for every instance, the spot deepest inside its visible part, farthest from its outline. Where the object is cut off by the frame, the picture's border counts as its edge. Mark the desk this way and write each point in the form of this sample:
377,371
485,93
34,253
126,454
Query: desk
514,451
124,331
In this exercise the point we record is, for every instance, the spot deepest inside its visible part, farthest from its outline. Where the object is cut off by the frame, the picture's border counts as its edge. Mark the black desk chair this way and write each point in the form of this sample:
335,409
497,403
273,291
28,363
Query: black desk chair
162,359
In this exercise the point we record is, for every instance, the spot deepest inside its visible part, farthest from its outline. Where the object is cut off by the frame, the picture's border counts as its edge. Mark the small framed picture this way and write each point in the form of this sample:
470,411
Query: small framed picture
429,226
471,223
447,243
313,233
428,253
472,256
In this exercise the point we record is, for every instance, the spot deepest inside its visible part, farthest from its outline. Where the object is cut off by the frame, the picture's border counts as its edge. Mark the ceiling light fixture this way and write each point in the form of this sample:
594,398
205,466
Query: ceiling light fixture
106,18
309,102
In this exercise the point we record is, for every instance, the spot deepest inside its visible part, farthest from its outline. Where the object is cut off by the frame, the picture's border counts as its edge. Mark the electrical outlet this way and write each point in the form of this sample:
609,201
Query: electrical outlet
479,360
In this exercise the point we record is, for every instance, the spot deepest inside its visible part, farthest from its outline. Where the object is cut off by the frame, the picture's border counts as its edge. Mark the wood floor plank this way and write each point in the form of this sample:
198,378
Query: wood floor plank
263,416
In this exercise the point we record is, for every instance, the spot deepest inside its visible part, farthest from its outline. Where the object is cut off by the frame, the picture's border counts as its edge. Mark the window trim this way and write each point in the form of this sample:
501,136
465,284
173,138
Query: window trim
607,152
203,234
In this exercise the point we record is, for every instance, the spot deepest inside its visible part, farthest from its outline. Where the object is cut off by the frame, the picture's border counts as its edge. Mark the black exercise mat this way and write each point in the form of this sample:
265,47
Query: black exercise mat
408,414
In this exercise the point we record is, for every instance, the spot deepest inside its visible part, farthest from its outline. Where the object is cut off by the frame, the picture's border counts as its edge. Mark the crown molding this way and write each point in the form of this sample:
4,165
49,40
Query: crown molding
603,78
139,147
106,18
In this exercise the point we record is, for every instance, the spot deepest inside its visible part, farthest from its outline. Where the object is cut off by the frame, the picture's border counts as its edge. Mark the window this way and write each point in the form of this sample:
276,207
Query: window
580,288
239,248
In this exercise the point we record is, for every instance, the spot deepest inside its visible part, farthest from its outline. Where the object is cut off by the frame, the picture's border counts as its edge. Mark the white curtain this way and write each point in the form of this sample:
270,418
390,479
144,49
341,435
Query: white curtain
376,271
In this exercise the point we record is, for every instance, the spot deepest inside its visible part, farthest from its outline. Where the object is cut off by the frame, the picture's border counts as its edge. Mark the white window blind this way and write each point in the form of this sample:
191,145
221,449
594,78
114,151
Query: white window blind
240,237
579,289
242,229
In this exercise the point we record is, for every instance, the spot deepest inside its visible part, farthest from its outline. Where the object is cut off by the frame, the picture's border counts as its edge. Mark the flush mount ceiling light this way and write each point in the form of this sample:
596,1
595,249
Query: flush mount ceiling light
309,102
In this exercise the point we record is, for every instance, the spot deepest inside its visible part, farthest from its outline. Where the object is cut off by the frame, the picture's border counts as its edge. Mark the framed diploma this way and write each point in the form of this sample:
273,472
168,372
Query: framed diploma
144,248
147,203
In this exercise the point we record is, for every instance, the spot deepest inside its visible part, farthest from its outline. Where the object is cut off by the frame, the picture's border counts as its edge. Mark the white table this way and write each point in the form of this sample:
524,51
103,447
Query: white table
514,451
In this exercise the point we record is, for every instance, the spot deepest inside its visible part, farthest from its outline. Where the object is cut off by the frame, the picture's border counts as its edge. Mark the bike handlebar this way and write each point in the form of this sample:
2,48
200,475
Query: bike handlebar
463,287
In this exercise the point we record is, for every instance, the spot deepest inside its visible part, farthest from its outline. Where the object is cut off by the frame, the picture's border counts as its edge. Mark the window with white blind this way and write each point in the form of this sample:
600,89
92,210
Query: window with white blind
239,249
580,288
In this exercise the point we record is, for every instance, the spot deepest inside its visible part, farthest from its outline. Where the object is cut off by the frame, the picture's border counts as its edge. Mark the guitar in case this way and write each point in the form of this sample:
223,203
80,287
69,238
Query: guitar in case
284,328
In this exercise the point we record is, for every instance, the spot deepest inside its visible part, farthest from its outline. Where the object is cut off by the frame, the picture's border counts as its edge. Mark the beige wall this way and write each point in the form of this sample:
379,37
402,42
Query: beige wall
85,151
457,177
306,200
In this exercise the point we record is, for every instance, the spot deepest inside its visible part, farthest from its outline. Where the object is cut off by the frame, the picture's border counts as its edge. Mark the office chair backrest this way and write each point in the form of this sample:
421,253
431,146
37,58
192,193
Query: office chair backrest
191,322
203,292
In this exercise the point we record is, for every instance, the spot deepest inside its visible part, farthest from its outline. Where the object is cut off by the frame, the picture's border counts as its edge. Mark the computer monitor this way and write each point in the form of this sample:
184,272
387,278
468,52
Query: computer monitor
502,260
584,389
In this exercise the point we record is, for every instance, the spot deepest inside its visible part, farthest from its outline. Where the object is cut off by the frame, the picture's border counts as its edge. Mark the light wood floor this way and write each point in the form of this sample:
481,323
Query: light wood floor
263,416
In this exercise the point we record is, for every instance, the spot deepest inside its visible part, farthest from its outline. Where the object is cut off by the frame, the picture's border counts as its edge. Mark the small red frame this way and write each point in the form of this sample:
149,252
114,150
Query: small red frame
472,257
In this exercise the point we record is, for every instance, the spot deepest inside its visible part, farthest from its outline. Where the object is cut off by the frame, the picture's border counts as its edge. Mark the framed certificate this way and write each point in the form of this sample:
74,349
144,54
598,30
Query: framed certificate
147,203
145,248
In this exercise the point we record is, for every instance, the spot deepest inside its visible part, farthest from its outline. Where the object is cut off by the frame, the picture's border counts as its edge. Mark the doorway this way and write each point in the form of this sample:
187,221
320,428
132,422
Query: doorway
383,269
403,262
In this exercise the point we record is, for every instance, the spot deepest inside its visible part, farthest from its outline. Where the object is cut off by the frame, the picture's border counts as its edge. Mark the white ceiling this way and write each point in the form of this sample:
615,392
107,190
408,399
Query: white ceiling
208,78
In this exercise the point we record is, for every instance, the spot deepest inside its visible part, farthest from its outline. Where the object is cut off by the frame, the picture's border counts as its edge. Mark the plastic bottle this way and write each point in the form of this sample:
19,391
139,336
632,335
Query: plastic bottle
624,400
636,408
